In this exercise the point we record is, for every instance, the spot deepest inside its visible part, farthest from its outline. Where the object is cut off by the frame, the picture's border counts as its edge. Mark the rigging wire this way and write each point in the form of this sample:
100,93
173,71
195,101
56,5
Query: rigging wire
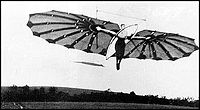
119,15
96,12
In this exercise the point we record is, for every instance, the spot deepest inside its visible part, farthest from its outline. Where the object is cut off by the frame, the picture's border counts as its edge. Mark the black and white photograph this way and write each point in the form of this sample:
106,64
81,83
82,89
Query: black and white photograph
99,54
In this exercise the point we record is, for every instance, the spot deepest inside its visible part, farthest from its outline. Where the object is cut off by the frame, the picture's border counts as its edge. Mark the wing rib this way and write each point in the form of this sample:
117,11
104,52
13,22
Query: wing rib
142,56
53,15
66,35
166,52
76,41
183,42
126,56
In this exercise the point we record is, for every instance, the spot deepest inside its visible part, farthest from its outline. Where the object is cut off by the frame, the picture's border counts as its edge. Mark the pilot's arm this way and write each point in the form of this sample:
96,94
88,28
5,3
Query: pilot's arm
106,31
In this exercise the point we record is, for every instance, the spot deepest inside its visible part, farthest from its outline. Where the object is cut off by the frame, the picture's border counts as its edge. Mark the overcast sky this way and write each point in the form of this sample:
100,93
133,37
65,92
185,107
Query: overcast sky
27,59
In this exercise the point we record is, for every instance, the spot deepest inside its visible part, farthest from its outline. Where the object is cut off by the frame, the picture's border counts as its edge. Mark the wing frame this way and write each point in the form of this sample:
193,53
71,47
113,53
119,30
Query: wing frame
55,26
161,46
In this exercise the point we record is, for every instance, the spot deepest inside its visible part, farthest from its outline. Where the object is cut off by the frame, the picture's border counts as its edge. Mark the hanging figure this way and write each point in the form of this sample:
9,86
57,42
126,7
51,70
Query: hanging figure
119,44
119,48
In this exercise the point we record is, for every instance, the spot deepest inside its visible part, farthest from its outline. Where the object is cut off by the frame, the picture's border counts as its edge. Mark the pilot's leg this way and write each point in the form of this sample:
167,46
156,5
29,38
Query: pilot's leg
118,61
119,47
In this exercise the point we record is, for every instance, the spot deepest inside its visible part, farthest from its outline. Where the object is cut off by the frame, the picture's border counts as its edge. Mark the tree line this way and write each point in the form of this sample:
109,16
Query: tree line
25,94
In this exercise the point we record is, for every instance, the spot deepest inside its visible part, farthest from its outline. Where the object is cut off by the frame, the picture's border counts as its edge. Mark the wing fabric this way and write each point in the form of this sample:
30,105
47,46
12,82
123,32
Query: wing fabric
159,46
72,30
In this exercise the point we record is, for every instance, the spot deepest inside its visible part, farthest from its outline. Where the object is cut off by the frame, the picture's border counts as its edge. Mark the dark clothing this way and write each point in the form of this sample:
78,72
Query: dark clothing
119,48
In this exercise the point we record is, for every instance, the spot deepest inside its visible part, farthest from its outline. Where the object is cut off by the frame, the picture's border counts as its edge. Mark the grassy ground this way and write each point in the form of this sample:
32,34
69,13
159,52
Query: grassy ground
86,105
69,90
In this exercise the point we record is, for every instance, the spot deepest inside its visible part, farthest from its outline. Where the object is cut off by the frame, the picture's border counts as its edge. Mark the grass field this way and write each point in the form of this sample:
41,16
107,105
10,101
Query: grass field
69,90
85,105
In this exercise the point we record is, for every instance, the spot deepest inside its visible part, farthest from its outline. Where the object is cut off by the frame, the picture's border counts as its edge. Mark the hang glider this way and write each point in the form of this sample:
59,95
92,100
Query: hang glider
80,32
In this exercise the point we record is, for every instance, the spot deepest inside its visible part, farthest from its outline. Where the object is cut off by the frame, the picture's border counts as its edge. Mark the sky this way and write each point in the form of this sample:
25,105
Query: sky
27,59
